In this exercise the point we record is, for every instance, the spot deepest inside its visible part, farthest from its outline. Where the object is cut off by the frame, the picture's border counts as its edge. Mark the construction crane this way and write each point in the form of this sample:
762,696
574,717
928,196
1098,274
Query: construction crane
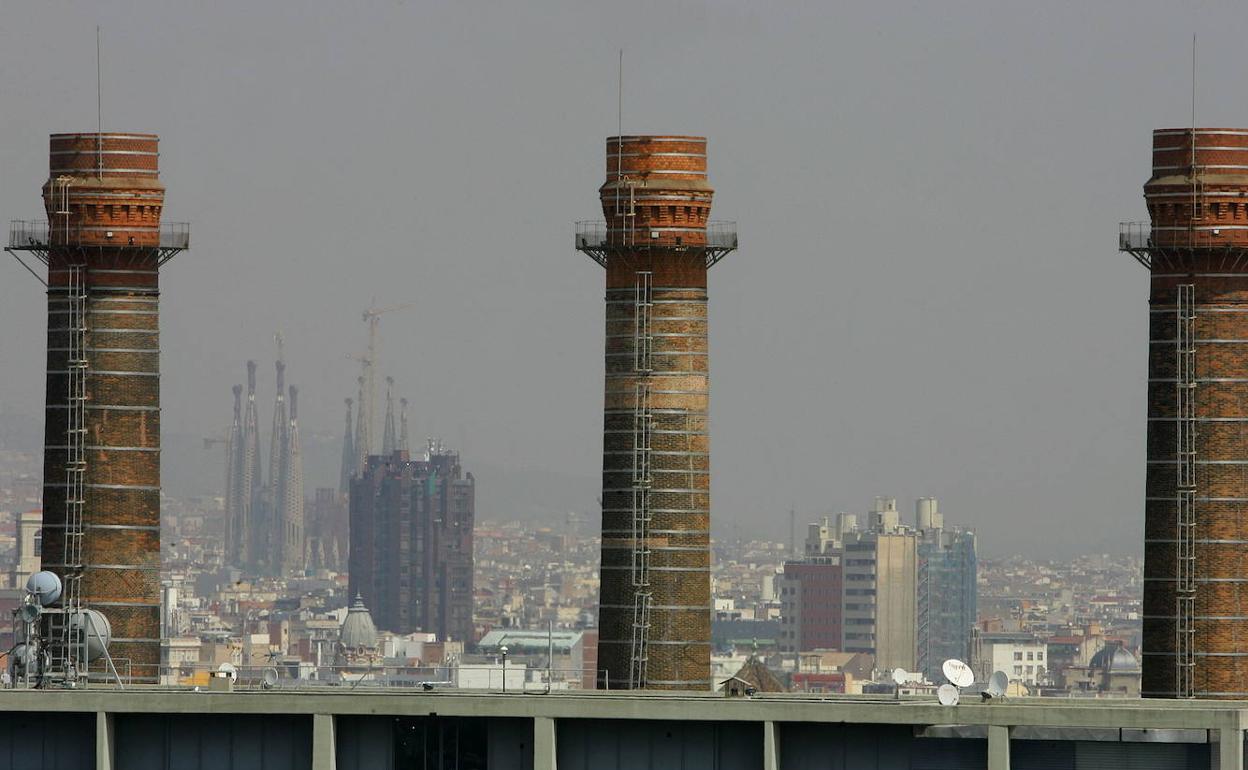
368,366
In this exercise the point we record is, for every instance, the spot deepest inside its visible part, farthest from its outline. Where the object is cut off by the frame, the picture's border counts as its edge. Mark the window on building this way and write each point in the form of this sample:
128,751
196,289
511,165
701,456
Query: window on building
1018,671
1018,656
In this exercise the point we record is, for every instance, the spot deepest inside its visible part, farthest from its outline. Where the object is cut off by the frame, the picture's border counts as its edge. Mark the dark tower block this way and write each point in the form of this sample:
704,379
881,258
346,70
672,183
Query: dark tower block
103,245
1196,509
656,245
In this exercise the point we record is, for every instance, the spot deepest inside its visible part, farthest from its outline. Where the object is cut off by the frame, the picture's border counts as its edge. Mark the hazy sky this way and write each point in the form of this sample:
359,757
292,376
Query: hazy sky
927,299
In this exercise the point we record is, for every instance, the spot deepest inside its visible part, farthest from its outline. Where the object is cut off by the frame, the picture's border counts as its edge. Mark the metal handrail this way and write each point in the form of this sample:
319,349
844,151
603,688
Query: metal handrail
35,235
596,235
375,674
1144,236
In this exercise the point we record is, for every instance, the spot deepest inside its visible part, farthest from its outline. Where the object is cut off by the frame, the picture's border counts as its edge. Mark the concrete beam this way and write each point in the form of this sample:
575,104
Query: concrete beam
1022,712
771,746
105,745
324,742
1230,745
544,744
998,747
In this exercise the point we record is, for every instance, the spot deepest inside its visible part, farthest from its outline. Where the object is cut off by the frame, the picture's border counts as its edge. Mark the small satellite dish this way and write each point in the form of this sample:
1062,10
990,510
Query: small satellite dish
268,680
958,673
29,612
228,671
947,694
44,587
900,676
997,684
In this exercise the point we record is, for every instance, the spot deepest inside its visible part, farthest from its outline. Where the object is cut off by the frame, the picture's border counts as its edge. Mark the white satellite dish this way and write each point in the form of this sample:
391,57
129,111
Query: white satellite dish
958,673
268,680
44,587
228,671
92,627
997,684
900,676
947,694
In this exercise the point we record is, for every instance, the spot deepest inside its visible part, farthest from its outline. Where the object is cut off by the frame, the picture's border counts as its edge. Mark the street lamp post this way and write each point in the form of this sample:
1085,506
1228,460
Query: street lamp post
503,650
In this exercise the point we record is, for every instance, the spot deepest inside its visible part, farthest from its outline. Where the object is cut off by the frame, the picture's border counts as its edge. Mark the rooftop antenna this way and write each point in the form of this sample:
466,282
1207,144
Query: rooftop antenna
619,133
99,111
1192,221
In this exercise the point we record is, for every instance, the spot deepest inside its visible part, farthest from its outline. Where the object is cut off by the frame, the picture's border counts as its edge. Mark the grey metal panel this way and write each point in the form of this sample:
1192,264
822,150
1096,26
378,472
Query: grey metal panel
213,741
1042,755
36,741
587,744
948,754
1140,756
365,743
511,744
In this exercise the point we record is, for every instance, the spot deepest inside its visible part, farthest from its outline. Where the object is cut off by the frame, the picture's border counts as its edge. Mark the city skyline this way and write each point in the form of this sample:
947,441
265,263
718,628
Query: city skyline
935,367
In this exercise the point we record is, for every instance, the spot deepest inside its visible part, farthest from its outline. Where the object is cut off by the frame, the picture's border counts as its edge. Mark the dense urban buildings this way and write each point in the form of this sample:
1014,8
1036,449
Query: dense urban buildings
103,244
904,595
655,609
1196,508
411,532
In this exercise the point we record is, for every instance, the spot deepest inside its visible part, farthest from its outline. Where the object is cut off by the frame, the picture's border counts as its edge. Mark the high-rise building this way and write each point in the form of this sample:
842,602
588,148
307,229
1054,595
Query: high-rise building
881,579
103,245
1195,506
811,604
947,589
411,543
656,245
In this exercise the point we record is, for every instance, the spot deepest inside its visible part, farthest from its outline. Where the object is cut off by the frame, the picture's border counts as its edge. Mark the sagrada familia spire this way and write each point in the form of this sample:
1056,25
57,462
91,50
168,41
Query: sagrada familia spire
264,524
290,530
388,437
244,483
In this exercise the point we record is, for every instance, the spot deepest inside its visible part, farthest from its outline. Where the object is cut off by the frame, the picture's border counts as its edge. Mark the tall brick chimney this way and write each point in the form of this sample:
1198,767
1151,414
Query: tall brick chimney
103,244
656,245
1196,505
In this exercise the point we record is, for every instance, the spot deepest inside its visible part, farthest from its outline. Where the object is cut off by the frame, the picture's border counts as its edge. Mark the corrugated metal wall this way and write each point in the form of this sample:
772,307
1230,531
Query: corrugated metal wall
589,744
461,743
213,741
33,741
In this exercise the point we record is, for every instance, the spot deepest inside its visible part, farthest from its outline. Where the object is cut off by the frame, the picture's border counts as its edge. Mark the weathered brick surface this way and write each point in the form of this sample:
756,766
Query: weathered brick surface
122,485
665,181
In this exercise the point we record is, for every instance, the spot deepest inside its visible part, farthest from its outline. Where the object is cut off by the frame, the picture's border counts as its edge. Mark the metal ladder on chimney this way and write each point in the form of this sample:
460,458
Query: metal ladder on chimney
67,654
643,422
1185,561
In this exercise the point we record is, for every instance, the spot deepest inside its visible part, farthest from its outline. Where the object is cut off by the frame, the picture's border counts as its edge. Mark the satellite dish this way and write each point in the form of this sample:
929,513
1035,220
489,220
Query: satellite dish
958,673
44,587
268,680
20,658
997,684
947,694
92,627
900,676
228,671
29,612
